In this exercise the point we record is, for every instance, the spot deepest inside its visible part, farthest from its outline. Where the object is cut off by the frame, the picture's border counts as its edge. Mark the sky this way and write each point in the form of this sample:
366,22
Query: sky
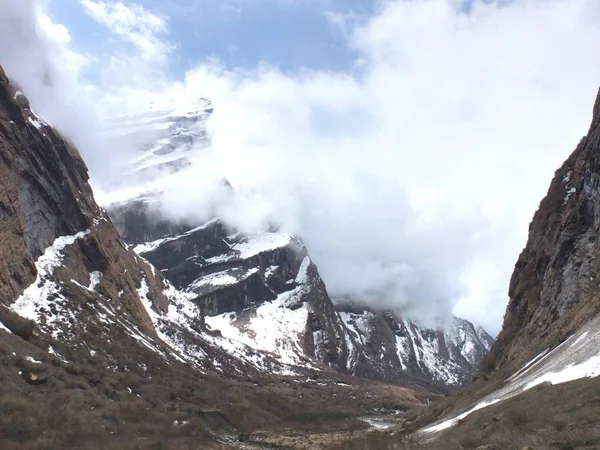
408,143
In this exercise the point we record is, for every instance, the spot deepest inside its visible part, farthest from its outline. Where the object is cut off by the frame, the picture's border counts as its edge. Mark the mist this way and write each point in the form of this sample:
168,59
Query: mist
411,178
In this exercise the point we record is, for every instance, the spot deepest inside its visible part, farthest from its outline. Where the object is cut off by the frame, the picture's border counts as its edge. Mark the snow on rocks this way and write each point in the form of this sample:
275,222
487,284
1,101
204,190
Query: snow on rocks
451,422
570,192
95,278
36,122
58,355
417,348
180,323
149,246
217,280
33,303
273,328
577,357
253,245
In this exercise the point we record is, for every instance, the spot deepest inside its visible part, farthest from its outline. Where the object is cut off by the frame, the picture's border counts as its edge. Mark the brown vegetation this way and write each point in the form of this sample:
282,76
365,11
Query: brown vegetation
561,417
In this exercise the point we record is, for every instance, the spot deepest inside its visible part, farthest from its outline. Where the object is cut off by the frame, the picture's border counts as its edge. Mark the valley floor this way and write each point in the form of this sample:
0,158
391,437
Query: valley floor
547,417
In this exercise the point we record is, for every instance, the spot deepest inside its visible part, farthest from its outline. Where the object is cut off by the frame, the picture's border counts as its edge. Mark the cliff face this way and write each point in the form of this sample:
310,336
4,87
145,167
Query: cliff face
390,348
45,196
554,289
238,281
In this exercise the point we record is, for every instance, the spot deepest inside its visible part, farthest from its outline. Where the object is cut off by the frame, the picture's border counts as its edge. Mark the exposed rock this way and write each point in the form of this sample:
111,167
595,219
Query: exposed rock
44,194
35,379
391,346
554,289
235,279
16,324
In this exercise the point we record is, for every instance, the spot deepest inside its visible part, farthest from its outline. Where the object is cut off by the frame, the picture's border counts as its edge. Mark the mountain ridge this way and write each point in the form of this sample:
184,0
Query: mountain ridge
552,288
235,273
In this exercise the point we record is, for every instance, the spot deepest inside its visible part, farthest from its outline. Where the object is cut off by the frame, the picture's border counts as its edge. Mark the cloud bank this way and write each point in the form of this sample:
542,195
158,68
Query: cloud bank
412,178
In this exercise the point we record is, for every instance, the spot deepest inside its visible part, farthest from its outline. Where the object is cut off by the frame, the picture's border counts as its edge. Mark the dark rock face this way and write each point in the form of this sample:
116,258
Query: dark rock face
234,277
32,197
137,222
554,287
391,347
229,272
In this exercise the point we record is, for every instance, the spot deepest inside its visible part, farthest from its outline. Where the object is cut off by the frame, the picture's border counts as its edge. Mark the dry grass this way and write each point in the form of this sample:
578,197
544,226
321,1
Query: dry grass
562,417
94,403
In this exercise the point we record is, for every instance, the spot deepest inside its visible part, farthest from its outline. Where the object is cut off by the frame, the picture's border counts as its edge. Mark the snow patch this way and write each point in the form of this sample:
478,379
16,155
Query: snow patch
577,357
273,328
587,369
253,245
56,354
570,192
451,422
302,277
223,278
95,278
149,246
33,303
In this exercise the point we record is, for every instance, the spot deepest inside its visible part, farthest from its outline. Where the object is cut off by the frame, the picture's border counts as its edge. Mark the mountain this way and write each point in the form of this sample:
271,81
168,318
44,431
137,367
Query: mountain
538,385
99,350
389,346
264,291
553,290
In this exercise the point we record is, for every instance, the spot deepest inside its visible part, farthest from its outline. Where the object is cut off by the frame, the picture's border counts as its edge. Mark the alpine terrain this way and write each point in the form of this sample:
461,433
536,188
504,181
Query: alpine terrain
127,330
263,290
122,326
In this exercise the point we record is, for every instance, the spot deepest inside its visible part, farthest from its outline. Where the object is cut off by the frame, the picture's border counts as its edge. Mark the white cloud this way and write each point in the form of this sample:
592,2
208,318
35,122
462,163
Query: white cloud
413,180
41,55
134,24
57,32
37,53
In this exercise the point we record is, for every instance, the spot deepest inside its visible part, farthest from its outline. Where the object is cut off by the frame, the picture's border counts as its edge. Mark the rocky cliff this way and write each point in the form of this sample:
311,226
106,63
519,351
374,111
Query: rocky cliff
47,209
390,347
554,289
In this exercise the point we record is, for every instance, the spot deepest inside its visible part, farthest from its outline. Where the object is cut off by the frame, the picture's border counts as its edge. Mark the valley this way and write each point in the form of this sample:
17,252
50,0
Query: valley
121,327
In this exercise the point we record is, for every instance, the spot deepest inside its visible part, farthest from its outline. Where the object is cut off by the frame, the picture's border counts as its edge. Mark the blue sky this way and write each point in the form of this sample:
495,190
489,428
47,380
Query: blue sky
241,34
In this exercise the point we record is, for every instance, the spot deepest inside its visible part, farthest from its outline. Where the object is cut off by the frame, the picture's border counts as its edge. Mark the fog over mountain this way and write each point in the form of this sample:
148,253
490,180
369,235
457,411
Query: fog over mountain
411,178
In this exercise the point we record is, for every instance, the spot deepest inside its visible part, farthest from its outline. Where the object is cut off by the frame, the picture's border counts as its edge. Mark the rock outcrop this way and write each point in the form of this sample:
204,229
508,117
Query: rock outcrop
264,291
391,348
